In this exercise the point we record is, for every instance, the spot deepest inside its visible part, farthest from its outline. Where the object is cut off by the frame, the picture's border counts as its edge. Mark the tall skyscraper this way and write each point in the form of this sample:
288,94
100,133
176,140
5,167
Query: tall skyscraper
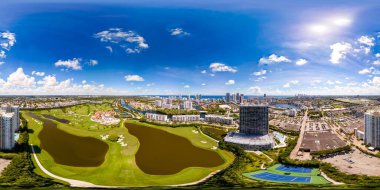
9,123
241,98
228,96
372,128
254,119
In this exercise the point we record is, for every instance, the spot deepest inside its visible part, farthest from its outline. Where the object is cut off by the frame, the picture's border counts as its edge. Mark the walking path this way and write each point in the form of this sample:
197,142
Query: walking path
330,180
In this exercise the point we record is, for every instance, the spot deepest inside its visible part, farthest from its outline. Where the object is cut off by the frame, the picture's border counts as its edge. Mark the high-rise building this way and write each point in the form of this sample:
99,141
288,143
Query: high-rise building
254,119
9,123
187,105
241,98
372,128
228,96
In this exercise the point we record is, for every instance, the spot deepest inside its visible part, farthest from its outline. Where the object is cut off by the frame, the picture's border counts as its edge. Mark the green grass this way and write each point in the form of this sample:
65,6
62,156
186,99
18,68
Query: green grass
119,167
315,175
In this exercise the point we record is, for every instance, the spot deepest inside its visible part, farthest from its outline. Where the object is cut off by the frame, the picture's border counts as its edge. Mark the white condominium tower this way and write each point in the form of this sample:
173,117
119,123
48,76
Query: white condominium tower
9,123
372,128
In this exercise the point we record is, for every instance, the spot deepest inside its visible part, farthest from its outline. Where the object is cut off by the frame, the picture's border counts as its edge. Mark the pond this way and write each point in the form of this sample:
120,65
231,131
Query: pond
68,149
56,118
163,153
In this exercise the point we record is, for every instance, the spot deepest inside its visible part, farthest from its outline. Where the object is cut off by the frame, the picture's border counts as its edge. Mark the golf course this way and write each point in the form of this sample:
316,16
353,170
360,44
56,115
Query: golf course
130,154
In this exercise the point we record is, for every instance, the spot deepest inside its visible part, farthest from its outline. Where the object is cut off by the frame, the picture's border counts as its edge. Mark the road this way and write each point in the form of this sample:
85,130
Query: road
293,154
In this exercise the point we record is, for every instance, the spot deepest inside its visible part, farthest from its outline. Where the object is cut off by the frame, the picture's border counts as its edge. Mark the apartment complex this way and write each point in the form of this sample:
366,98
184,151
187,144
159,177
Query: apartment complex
219,119
372,128
9,124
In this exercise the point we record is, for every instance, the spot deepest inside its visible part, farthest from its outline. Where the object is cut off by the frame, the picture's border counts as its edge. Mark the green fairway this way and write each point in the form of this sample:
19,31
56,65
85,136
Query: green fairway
119,167
314,175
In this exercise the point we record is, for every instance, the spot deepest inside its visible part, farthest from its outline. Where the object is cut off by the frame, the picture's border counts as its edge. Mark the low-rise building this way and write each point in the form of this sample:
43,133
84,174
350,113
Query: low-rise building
156,117
185,118
219,119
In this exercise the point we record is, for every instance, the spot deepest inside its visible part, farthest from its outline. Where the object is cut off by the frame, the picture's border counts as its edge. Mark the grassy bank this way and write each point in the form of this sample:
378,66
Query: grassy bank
119,167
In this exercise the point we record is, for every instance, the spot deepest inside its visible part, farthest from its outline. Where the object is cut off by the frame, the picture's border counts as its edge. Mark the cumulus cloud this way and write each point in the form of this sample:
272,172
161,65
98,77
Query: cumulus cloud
367,40
18,83
259,73
273,59
254,90
377,55
186,86
230,82
339,51
178,32
19,79
203,84
293,82
370,70
301,62
376,62
204,72
37,73
136,78
73,64
221,67
130,41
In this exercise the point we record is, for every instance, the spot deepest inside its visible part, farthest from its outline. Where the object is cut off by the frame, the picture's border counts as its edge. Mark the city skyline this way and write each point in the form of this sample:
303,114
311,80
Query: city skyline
166,47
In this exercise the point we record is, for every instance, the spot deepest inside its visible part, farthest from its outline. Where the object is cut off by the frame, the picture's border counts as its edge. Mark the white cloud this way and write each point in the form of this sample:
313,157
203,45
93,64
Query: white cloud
10,40
109,48
73,64
93,62
254,90
2,54
130,41
339,51
377,62
133,78
18,83
293,82
203,84
301,62
273,59
204,72
259,73
221,67
230,82
19,79
150,84
186,86
212,75
366,71
377,55
2,62
376,81
49,80
37,73
178,32
84,81
367,40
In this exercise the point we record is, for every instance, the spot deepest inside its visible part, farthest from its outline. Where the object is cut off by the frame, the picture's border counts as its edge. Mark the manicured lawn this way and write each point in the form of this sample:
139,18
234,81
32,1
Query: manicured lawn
119,168
315,178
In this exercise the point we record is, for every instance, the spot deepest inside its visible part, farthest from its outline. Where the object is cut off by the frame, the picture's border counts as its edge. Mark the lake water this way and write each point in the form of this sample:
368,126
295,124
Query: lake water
163,153
68,149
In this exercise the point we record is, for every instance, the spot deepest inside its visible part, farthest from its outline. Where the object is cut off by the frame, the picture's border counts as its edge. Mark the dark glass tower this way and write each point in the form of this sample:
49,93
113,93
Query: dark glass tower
254,119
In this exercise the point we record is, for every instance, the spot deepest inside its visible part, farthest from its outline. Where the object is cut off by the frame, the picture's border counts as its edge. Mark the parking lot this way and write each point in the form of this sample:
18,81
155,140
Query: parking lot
356,162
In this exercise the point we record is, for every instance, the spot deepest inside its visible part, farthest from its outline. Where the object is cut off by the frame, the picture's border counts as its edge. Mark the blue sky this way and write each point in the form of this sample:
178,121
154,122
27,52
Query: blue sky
207,47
